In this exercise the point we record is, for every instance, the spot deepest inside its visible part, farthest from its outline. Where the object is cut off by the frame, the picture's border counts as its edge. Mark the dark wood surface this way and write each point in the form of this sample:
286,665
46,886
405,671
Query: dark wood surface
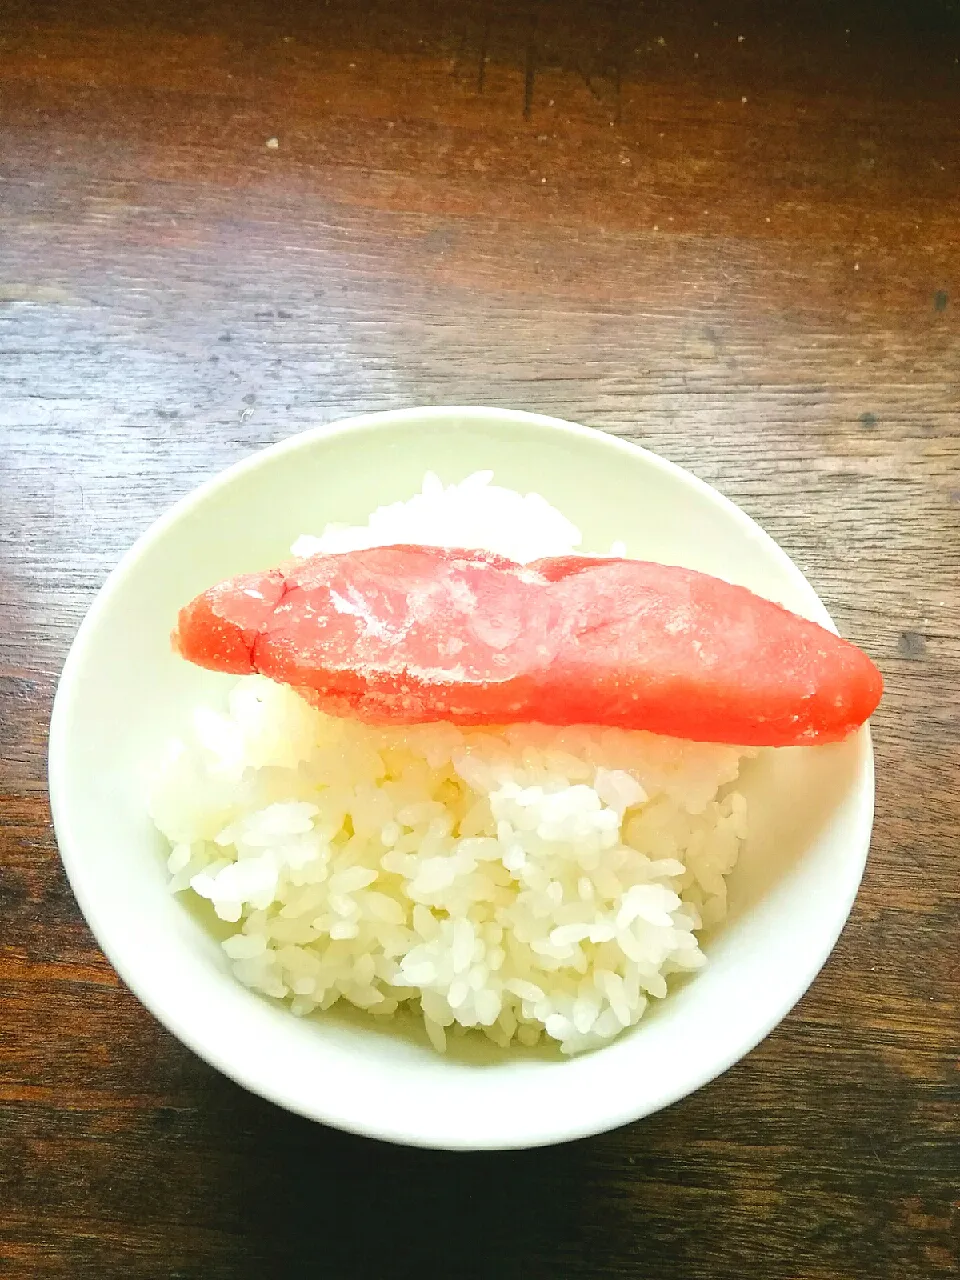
729,231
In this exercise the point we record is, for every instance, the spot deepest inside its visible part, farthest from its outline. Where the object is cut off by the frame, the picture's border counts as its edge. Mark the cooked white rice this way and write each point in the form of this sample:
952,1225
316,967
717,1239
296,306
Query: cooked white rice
475,514
528,881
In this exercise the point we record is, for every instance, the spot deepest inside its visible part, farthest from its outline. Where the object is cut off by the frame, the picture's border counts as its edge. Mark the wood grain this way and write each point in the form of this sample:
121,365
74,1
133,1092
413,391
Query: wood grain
731,232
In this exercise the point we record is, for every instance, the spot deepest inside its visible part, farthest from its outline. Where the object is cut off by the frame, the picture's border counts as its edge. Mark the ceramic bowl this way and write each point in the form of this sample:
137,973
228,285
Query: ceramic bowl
123,692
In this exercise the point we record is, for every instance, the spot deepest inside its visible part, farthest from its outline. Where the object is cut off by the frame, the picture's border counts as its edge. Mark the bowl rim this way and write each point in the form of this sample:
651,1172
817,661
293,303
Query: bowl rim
150,995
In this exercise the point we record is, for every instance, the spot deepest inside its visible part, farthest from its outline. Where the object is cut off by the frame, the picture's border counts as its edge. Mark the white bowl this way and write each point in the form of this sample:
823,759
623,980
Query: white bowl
123,692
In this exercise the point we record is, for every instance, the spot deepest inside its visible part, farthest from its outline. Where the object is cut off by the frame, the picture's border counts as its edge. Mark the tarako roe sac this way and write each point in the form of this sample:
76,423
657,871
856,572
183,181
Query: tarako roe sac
416,634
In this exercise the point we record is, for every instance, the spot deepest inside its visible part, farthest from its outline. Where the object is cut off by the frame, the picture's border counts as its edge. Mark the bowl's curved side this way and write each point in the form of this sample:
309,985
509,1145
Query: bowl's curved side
120,671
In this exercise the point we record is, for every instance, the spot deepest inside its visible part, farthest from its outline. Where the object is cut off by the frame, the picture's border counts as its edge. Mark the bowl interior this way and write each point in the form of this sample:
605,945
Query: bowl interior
123,692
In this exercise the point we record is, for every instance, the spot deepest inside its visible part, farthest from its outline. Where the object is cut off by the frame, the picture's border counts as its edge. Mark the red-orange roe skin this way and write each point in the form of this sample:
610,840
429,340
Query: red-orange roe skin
219,628
401,635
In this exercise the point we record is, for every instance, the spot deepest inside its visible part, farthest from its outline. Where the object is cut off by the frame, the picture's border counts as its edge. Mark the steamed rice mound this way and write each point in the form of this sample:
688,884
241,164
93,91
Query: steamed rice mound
527,881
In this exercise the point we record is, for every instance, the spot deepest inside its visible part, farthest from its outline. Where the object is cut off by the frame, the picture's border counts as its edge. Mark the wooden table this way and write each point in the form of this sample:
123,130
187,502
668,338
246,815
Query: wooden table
730,232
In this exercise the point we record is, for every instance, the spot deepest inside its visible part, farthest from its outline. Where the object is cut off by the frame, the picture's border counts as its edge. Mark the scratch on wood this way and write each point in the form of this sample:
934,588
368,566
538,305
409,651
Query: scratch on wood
587,80
530,74
484,43
624,51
